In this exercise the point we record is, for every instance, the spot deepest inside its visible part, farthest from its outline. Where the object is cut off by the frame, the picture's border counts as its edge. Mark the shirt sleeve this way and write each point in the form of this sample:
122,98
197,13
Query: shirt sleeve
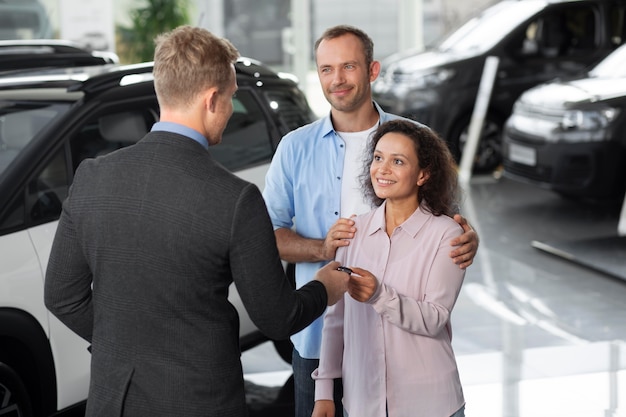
430,314
331,354
278,192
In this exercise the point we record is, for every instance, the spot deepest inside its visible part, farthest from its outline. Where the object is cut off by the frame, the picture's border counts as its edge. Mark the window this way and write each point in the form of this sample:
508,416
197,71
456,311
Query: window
19,125
45,194
41,200
246,140
291,108
561,32
111,131
617,26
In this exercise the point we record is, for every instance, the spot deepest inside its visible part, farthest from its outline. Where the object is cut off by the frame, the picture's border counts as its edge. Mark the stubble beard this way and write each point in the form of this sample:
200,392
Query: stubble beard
346,104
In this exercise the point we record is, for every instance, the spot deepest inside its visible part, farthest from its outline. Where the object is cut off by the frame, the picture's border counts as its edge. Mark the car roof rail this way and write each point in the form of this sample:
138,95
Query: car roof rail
116,76
45,53
125,74
254,68
134,73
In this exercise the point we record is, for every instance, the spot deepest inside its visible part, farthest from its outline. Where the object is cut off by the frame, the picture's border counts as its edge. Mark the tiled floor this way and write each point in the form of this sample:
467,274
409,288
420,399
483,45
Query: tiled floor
535,335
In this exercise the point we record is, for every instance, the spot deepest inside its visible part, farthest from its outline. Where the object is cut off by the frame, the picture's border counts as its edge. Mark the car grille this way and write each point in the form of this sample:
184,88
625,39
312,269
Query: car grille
555,115
536,173
578,171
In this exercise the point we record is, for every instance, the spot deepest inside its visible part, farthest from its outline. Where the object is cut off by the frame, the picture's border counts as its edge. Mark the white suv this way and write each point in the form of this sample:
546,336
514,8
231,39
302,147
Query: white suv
47,126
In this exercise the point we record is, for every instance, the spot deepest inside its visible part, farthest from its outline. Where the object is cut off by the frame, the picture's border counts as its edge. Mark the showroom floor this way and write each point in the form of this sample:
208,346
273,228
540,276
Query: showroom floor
534,334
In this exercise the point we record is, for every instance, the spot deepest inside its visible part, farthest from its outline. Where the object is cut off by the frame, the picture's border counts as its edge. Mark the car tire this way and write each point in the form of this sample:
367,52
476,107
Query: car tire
14,399
489,153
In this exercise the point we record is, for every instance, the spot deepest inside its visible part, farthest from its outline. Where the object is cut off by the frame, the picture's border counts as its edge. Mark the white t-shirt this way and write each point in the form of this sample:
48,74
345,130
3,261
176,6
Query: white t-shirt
352,198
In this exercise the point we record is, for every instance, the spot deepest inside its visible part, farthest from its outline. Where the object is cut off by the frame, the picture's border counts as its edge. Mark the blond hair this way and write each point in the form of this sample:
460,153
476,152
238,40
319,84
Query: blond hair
188,60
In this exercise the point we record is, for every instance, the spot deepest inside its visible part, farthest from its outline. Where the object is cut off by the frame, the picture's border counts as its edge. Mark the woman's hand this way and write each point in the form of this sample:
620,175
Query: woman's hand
362,284
324,408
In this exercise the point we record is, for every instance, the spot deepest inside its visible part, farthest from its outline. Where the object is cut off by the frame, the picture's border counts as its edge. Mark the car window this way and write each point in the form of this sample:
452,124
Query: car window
484,31
19,124
560,32
42,198
45,193
108,132
291,107
617,24
99,135
246,139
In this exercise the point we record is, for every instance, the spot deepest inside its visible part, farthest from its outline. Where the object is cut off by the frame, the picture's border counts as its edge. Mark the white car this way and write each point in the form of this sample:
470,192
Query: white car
48,124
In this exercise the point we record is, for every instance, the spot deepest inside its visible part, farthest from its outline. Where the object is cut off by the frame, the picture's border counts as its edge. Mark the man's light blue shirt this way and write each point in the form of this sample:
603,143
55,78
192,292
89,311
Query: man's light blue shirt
303,187
181,130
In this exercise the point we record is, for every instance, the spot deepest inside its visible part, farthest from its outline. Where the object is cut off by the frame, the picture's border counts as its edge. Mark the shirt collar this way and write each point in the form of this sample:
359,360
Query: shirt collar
181,130
411,226
327,124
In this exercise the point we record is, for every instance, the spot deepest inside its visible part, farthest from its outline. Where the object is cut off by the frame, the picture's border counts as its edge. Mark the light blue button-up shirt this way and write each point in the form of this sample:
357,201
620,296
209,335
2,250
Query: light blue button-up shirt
181,130
303,188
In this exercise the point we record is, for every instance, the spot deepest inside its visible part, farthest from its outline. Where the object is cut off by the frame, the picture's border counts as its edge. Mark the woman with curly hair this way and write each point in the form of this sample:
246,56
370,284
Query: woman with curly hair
390,336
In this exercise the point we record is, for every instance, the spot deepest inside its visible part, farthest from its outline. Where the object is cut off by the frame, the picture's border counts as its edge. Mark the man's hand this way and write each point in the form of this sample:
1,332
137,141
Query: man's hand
362,284
466,244
324,408
339,235
336,282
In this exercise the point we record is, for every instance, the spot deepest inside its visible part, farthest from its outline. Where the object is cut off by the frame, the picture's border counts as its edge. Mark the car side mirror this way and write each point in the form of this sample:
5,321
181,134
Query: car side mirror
48,205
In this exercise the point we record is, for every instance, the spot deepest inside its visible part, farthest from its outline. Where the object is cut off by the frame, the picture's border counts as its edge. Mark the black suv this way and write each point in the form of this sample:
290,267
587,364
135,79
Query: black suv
48,125
535,41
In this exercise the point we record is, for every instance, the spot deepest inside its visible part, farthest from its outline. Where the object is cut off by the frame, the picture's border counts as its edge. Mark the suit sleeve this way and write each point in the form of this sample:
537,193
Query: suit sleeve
67,289
273,305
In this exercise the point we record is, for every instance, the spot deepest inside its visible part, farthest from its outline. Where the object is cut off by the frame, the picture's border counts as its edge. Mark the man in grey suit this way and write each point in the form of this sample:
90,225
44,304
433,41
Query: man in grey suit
151,237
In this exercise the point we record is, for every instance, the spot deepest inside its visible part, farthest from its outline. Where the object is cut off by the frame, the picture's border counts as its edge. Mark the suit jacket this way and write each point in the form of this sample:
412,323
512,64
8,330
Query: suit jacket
159,230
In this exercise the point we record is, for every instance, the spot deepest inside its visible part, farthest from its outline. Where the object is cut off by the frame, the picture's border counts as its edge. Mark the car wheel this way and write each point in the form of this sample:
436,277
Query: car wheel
14,399
489,152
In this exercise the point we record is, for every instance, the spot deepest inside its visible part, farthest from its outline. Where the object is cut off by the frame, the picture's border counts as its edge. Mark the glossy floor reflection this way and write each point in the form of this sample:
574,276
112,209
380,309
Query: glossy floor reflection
535,335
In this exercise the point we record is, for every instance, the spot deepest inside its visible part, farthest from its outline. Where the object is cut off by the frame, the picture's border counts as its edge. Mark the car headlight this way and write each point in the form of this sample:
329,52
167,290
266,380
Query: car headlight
588,119
422,80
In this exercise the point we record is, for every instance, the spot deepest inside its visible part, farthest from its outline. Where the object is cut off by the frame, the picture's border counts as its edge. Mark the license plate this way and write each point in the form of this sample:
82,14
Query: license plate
522,154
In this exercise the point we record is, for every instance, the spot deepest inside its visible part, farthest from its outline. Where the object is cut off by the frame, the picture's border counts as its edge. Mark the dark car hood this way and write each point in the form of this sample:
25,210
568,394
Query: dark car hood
570,93
423,61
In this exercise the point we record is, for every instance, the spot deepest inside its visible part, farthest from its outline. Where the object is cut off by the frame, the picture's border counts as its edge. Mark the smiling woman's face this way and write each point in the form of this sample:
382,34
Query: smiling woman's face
395,171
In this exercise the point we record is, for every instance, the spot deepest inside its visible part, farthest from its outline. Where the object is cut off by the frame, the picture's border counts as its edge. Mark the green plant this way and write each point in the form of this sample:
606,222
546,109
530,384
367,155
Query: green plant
136,43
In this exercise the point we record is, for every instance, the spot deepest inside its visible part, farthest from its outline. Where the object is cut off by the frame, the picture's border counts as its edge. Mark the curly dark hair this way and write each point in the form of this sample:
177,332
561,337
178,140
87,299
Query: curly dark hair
441,192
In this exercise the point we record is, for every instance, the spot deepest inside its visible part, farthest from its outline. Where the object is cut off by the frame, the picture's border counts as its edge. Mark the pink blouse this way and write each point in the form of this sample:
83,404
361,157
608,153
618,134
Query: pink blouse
396,349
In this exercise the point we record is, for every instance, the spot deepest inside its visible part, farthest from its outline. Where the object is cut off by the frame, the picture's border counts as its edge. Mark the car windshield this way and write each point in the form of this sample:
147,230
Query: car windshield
613,66
20,122
484,31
